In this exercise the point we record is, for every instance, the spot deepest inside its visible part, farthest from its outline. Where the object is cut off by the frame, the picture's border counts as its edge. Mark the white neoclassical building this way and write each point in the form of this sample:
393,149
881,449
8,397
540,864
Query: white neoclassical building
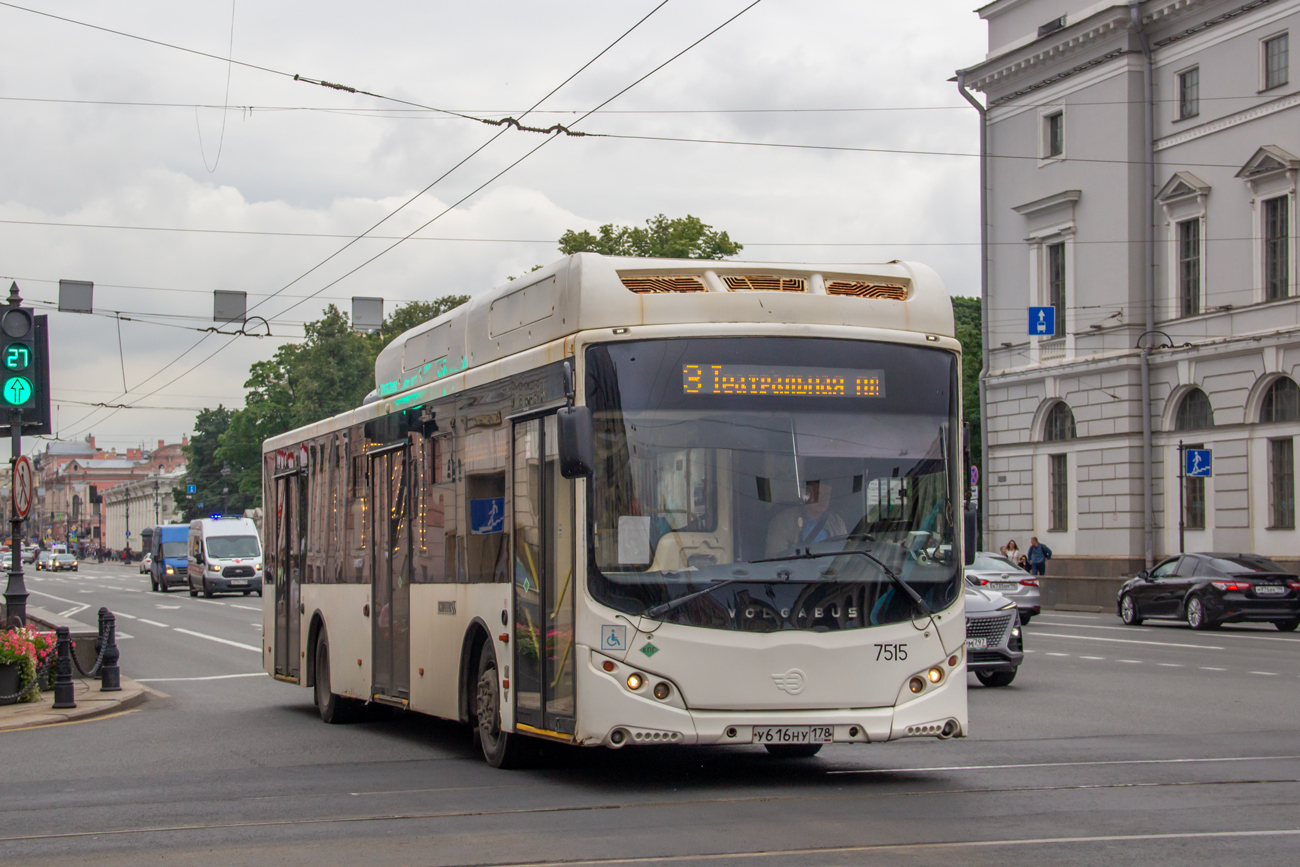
145,502
1142,162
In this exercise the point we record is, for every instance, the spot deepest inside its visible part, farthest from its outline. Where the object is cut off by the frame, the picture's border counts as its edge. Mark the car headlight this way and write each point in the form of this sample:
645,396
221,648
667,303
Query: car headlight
258,567
213,567
1007,607
171,571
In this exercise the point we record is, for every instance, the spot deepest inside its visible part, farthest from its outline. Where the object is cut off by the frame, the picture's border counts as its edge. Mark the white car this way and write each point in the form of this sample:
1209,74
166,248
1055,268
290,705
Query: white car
145,562
993,571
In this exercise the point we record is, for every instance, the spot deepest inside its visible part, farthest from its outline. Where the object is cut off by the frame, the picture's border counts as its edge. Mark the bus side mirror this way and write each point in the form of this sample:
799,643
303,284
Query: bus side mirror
972,535
577,454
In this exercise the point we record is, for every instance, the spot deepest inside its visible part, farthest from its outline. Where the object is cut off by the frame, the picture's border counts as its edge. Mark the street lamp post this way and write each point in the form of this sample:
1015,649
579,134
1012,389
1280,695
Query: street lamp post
225,488
126,501
157,505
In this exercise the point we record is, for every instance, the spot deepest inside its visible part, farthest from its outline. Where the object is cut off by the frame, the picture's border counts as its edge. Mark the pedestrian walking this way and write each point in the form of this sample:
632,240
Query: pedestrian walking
1038,555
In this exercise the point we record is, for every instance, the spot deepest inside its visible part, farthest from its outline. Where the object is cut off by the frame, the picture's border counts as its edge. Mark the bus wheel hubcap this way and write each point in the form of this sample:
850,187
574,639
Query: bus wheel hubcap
487,705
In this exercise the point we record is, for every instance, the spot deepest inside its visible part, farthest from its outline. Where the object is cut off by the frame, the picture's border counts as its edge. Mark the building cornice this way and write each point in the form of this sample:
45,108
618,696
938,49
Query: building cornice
1249,114
1048,202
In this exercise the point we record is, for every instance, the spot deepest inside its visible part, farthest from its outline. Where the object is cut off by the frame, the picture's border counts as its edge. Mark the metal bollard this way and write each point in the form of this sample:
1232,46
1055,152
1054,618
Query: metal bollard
110,676
63,669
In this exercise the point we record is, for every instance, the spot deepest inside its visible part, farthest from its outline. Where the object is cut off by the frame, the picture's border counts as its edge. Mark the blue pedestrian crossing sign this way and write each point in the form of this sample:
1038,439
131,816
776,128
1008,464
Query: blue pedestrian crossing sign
1198,463
1042,321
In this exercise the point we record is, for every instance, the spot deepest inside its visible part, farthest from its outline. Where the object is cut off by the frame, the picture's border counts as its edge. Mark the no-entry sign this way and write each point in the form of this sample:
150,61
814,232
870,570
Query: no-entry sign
22,486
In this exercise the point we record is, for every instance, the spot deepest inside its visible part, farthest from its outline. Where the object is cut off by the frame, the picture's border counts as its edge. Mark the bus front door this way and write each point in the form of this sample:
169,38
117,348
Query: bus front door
544,583
290,527
390,589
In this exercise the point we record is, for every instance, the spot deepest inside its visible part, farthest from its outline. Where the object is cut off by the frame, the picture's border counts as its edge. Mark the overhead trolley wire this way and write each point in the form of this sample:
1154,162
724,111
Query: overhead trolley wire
502,131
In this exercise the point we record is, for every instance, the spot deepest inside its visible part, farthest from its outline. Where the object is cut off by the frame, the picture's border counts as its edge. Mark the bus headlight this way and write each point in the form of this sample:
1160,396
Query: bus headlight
635,681
935,674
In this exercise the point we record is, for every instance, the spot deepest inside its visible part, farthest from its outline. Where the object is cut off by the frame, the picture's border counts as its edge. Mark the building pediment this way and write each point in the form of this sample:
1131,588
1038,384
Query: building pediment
1268,160
1181,186
1064,199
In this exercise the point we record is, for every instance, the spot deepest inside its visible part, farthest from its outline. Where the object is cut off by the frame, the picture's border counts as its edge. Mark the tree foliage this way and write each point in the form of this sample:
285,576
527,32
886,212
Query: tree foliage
967,317
681,238
329,372
203,467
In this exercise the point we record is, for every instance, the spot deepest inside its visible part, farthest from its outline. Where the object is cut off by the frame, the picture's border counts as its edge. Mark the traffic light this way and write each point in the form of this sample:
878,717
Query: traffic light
18,367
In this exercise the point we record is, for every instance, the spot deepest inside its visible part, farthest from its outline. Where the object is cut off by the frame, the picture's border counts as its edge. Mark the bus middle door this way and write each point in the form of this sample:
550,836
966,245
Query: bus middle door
390,500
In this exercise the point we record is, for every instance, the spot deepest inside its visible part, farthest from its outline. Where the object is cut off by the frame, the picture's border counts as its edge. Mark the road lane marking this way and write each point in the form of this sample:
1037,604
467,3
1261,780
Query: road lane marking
1147,630
209,677
245,607
1211,668
1099,762
154,623
1266,673
219,640
127,616
167,607
73,722
209,602
1169,664
1128,641
1058,654
1130,661
1098,658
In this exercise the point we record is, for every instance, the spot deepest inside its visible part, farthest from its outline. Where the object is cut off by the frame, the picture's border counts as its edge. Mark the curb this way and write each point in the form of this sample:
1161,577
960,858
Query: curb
91,703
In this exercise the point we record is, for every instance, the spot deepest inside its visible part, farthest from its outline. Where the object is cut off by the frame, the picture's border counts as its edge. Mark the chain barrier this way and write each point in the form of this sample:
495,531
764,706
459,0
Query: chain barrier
94,669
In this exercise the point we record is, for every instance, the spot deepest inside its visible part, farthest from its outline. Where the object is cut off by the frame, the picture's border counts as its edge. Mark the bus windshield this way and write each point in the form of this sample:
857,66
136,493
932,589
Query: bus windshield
229,547
766,483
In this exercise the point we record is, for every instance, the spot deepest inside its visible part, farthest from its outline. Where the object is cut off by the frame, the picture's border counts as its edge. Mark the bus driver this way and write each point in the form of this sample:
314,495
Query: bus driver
802,525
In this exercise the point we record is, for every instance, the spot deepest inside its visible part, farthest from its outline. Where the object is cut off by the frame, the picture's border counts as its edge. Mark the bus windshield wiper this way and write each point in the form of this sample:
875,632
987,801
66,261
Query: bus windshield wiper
903,585
665,607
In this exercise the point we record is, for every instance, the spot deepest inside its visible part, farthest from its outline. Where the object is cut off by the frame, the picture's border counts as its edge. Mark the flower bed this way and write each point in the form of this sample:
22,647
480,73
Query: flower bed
32,651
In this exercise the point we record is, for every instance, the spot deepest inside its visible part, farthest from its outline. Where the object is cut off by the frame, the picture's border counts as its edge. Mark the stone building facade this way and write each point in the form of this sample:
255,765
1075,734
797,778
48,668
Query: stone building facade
1142,162
143,502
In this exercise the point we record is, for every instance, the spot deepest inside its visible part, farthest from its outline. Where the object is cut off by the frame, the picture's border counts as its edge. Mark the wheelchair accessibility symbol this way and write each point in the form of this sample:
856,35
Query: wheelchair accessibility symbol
613,638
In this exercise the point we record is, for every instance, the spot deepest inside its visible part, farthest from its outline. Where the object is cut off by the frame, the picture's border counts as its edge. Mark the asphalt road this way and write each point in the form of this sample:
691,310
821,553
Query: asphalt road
1153,745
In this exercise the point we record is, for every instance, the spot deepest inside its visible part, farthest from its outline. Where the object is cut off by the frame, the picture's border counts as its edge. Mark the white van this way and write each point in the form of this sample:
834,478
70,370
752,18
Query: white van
225,556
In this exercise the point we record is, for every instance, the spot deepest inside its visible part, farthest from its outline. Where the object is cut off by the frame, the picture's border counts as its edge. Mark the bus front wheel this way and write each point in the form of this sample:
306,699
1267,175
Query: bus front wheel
500,749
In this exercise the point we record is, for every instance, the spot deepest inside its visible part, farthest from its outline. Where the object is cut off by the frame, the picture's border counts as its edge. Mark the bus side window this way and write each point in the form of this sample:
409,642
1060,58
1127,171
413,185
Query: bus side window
484,454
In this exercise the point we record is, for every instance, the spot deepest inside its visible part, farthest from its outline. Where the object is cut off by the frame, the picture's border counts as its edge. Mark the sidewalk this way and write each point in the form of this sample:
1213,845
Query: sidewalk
90,704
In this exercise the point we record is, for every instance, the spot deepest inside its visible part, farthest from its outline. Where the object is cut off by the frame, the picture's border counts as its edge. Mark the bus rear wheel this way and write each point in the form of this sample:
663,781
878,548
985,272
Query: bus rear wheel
500,749
334,709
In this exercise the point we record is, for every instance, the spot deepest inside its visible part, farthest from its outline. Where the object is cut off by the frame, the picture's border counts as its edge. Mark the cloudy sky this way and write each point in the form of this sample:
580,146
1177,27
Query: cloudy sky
132,140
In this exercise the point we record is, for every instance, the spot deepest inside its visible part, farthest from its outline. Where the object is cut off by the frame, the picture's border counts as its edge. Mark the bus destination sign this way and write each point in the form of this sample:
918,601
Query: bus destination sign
764,379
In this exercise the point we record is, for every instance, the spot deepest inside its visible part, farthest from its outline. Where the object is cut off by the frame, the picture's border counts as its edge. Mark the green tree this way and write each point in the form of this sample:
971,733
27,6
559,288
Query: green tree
681,238
202,466
967,317
329,372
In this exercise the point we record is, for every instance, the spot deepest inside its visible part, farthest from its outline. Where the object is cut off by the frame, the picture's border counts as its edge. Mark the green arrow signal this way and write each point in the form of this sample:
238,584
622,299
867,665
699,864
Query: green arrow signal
17,390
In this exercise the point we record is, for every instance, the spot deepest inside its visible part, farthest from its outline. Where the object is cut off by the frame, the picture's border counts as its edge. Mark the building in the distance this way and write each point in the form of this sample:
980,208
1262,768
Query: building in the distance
146,501
73,478
1142,163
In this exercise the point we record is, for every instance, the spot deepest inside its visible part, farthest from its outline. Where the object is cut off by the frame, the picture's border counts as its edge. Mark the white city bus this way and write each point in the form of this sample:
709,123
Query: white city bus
632,501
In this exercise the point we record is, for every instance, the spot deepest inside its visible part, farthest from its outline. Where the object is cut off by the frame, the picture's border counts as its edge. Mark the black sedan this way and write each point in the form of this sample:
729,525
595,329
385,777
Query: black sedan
1209,589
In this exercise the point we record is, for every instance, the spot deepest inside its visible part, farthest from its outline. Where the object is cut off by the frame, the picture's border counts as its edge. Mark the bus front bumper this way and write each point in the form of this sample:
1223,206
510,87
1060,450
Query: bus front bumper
612,716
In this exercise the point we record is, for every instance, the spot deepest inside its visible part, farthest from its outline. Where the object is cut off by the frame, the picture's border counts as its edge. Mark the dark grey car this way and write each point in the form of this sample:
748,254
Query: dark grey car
994,644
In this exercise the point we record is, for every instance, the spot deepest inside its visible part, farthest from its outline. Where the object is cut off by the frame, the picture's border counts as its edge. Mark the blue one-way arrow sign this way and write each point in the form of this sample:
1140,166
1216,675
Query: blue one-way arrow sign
190,489
1042,321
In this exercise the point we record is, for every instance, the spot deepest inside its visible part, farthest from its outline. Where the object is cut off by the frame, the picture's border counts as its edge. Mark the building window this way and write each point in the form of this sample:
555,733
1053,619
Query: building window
1054,134
1056,283
1189,267
1281,467
1277,238
1195,412
1276,60
1194,495
1189,94
1059,494
1060,423
1281,402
